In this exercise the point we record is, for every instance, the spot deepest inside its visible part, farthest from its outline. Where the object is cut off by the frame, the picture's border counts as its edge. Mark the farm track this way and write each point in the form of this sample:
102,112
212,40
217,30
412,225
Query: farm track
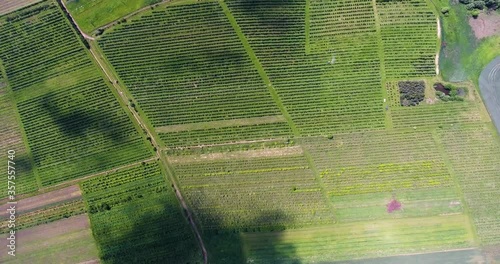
141,123
74,21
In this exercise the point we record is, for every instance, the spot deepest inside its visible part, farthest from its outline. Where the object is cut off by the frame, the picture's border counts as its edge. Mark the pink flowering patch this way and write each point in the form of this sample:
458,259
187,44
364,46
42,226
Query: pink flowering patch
393,206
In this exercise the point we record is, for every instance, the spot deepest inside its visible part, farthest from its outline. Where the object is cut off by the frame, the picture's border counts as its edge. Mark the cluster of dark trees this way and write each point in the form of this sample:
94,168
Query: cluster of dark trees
475,6
480,4
411,92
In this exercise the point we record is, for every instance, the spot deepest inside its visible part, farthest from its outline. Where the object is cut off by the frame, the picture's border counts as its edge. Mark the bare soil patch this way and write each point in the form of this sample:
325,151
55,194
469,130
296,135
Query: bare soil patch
44,200
485,25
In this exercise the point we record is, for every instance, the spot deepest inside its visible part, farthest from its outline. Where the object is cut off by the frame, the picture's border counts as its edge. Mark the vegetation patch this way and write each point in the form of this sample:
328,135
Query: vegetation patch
91,14
411,92
253,193
74,126
136,218
449,92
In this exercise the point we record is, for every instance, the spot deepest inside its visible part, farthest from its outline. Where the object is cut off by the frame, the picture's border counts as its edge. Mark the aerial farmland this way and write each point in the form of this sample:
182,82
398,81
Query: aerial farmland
249,131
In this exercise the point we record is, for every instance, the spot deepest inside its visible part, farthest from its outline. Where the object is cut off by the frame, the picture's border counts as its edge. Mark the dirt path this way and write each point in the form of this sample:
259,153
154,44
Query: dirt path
74,21
240,154
436,62
159,155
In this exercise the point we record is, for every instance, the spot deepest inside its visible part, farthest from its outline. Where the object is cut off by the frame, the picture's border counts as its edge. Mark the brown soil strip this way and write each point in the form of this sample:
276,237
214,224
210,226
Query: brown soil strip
223,123
43,200
270,152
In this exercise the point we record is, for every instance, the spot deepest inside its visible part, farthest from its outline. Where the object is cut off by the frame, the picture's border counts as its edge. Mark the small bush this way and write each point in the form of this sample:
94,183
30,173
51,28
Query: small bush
475,13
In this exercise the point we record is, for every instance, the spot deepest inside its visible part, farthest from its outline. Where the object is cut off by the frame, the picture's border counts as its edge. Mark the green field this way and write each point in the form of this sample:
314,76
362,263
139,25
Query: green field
135,218
358,240
201,67
73,124
92,14
11,139
280,123
239,193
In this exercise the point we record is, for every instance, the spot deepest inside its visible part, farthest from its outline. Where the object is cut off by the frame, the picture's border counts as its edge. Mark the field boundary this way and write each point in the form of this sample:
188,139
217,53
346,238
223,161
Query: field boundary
11,97
275,96
222,123
457,186
381,55
18,4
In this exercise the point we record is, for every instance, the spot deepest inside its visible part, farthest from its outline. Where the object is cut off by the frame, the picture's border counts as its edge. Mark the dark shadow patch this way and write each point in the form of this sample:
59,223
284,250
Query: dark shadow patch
77,122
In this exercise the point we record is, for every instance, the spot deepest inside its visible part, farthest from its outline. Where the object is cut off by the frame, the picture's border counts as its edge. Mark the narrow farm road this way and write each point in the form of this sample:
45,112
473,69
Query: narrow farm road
141,124
164,161
74,21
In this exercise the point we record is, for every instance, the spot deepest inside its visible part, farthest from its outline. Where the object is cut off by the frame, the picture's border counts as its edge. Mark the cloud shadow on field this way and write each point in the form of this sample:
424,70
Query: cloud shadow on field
229,244
155,232
77,121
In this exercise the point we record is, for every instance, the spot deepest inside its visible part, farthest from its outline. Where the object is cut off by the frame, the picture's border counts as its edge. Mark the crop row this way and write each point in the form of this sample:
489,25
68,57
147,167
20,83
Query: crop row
45,215
136,218
346,241
333,87
474,152
386,178
78,131
393,94
11,139
439,114
186,65
253,192
41,46
408,30
372,148
73,123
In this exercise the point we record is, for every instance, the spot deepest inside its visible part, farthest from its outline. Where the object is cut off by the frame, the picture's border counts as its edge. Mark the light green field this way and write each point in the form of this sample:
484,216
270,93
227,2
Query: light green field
8,6
359,240
92,14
